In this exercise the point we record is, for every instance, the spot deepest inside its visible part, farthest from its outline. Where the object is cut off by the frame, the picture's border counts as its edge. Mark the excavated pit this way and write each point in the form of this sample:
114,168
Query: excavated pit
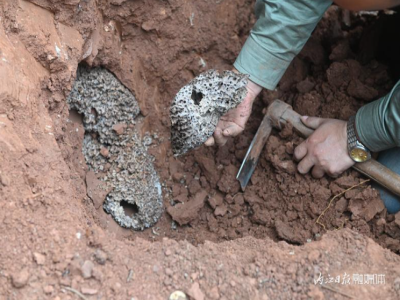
203,200
58,241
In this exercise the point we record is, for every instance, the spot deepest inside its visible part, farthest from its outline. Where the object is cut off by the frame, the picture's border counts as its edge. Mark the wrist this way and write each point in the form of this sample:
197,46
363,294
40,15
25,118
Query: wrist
252,88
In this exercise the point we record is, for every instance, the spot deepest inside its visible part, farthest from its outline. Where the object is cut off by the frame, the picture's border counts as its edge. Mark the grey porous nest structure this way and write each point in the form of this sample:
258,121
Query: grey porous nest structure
199,105
113,147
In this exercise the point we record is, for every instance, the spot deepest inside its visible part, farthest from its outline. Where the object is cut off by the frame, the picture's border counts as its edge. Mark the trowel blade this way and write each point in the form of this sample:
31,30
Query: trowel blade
251,159
245,172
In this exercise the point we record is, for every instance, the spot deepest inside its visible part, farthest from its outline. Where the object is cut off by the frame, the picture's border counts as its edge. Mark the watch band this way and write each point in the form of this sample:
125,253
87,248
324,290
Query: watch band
352,140
351,134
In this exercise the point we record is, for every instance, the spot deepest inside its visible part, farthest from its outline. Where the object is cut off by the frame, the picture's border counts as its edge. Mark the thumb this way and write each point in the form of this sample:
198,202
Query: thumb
232,130
312,122
210,141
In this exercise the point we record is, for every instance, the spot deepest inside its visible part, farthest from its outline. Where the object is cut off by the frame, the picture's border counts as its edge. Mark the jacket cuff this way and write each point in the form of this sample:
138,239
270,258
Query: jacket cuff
264,68
369,128
377,123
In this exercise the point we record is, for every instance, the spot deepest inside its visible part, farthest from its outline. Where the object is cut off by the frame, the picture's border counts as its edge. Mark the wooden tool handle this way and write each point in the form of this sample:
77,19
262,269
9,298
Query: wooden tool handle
371,168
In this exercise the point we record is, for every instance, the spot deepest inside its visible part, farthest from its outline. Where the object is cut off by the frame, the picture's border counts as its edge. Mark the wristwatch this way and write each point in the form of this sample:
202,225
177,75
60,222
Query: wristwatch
357,151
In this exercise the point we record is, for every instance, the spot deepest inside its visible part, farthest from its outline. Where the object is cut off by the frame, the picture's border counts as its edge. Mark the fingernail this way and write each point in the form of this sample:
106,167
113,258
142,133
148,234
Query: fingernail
226,132
304,118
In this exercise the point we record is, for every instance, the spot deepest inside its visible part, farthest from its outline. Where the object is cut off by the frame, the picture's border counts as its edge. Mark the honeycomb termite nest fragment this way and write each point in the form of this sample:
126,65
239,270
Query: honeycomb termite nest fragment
113,149
199,105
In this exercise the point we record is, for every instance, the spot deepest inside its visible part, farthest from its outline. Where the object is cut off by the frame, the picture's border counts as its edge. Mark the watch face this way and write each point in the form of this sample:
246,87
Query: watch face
359,155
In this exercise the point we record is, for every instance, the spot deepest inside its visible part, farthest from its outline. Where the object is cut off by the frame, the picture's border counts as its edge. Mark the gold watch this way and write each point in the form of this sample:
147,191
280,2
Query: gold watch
357,151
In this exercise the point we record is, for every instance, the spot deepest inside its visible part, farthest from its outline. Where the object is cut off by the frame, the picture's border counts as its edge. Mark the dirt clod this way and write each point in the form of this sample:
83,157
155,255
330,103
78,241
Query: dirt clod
48,289
20,279
287,233
39,258
195,292
184,213
87,269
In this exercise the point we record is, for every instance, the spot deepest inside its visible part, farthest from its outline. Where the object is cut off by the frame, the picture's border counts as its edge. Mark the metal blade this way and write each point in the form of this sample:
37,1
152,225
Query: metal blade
245,172
251,159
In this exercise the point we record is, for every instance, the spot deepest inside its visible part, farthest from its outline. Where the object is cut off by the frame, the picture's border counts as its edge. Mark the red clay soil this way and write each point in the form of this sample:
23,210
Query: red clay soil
57,242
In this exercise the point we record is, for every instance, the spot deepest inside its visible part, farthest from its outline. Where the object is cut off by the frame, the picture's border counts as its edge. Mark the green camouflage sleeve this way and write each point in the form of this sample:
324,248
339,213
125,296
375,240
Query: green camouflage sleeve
281,30
378,122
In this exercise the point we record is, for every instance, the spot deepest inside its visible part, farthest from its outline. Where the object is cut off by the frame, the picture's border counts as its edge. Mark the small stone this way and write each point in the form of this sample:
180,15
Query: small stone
177,177
220,210
104,151
21,279
148,25
169,272
119,128
48,289
100,257
10,116
5,181
214,293
178,295
381,221
195,292
216,200
194,276
87,269
39,258
89,291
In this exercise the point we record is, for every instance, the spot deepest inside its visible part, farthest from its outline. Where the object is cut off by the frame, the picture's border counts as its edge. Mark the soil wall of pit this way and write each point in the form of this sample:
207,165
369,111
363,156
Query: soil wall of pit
55,243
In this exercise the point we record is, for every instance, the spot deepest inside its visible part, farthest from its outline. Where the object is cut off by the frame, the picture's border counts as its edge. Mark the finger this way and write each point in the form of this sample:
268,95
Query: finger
312,122
210,141
220,140
305,165
300,151
317,172
232,130
334,174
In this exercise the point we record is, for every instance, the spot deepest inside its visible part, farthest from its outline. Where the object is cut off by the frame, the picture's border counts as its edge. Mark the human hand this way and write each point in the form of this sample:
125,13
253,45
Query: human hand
233,122
325,151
